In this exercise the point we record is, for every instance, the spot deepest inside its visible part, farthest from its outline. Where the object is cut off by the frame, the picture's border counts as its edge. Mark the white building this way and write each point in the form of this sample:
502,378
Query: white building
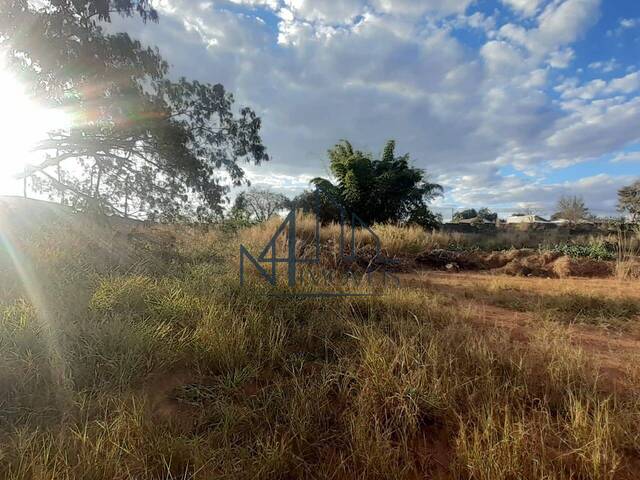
526,219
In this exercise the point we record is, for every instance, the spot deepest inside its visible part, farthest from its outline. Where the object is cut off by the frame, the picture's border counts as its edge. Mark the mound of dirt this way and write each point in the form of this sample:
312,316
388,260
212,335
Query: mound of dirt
523,262
566,266
531,265
440,258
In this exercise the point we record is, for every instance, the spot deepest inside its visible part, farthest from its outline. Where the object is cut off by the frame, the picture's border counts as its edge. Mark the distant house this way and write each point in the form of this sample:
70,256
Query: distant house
474,221
526,219
564,221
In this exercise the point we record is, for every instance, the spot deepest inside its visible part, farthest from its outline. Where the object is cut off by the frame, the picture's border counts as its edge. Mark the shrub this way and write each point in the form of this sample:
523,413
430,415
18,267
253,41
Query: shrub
601,250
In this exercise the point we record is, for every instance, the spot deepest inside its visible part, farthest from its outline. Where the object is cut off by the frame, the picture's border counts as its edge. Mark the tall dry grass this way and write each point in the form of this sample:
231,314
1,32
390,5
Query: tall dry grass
164,367
628,254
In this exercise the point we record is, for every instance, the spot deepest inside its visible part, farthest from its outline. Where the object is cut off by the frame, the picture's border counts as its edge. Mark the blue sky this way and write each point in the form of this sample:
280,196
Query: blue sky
507,103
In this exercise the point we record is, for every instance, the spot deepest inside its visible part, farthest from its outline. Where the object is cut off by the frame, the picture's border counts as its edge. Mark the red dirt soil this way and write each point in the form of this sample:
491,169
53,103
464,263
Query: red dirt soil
614,352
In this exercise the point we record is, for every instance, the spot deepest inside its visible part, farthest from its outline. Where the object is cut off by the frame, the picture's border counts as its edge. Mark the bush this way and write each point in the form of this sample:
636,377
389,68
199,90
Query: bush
602,250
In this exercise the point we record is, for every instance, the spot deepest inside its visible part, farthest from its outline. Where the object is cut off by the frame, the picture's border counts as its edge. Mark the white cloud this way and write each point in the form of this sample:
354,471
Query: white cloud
525,7
626,157
561,58
475,20
605,67
288,184
627,84
599,88
328,11
370,71
515,194
421,7
596,128
266,3
559,24
502,59
627,23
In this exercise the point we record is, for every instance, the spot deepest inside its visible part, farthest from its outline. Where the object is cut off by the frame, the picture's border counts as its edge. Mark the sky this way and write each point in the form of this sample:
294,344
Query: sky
507,103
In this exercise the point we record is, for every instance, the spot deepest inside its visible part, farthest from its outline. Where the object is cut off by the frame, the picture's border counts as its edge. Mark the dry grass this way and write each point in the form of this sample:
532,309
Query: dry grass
547,253
628,255
157,364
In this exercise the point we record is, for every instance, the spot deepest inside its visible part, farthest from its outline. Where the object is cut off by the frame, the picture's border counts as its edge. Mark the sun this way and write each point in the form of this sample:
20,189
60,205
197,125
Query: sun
23,123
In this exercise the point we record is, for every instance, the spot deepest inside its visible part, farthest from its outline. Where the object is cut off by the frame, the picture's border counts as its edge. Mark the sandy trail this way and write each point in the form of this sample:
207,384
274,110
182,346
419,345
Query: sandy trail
616,352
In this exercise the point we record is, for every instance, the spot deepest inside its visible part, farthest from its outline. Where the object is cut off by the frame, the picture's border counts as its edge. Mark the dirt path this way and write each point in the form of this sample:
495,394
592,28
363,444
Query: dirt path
614,351
610,287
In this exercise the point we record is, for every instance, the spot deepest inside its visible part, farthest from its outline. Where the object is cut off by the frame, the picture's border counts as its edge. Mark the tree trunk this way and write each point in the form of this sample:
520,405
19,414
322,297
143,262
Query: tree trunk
62,199
126,197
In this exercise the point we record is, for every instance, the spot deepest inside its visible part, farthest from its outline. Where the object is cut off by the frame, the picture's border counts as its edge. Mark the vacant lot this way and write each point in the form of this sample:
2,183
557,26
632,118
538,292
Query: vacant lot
130,352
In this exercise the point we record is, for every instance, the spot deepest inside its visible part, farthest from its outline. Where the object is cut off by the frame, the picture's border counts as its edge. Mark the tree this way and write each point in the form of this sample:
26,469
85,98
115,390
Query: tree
629,200
383,190
471,213
139,142
258,205
571,208
308,202
465,215
487,214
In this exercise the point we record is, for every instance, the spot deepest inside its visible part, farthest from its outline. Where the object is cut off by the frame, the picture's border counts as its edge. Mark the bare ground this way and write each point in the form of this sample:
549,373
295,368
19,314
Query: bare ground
613,350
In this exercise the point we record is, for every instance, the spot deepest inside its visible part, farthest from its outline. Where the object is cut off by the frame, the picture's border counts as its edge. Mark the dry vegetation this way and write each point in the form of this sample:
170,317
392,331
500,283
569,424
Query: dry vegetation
136,354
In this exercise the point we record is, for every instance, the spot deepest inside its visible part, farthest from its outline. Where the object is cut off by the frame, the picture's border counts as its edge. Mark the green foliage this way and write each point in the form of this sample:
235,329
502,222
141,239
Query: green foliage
482,214
629,200
257,386
602,250
382,190
140,143
312,201
424,217
465,214
164,301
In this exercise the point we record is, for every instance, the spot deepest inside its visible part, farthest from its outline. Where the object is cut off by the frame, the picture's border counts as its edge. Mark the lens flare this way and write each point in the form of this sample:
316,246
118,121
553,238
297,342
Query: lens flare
23,123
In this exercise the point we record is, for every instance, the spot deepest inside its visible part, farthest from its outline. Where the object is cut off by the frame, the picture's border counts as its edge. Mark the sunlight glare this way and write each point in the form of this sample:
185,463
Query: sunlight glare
23,123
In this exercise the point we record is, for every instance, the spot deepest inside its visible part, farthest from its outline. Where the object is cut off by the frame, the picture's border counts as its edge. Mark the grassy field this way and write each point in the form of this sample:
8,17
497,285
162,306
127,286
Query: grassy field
135,353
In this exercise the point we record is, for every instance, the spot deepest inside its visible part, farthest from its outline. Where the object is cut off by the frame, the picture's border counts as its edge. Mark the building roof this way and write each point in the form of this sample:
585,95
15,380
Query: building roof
474,220
526,219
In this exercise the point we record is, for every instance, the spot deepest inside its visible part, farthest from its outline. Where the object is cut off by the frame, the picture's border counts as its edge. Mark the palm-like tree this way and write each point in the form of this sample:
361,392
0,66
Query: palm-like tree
379,190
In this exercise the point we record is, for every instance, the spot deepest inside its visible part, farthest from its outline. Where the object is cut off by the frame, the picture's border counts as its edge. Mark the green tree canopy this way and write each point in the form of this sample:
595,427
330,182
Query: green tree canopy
388,189
471,213
629,200
324,205
487,214
138,140
571,208
467,214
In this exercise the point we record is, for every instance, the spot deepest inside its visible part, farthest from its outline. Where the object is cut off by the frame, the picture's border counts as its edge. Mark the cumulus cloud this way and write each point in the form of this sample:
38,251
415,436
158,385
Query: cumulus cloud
327,11
626,157
627,23
606,66
525,7
597,88
559,24
370,70
517,195
623,25
421,7
561,58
